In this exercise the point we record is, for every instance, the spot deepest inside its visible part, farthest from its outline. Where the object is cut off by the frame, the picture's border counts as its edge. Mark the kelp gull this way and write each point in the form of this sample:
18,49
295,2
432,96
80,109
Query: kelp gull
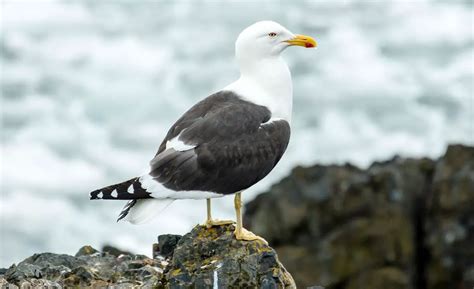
228,141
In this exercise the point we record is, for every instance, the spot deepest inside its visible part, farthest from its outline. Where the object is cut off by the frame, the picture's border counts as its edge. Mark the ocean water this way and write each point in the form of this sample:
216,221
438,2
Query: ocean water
89,90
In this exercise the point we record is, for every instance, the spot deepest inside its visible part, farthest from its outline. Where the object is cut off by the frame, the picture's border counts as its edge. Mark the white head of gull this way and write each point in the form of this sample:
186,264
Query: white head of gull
265,78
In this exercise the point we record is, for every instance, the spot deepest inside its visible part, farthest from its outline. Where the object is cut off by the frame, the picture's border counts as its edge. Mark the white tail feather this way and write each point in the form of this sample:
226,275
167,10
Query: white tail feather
146,209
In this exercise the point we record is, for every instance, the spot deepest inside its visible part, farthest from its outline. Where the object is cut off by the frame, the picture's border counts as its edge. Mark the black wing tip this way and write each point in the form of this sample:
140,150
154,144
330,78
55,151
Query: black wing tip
94,195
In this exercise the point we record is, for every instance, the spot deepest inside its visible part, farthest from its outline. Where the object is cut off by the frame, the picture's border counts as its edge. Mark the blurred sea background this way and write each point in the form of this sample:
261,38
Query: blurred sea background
89,89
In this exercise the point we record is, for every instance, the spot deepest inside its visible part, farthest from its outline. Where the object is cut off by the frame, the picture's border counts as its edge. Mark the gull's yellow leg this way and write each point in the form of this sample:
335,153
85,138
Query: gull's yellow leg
240,232
210,222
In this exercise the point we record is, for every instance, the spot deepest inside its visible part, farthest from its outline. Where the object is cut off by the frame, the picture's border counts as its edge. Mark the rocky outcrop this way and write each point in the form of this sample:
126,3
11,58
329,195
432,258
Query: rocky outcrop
213,257
402,223
203,258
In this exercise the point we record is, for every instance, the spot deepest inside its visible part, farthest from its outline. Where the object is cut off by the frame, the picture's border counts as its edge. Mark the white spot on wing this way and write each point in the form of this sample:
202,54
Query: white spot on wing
274,119
130,189
100,195
178,145
114,193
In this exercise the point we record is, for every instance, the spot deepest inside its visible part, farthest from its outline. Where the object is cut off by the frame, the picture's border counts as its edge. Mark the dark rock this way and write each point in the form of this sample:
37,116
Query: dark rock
90,269
54,272
79,276
44,260
205,257
46,265
23,271
402,223
167,244
450,220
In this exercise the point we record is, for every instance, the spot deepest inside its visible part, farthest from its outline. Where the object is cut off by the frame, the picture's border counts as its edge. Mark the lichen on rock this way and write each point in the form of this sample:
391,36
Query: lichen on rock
213,257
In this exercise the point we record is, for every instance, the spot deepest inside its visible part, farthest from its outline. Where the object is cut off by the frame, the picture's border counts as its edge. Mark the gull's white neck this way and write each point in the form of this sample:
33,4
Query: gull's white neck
266,82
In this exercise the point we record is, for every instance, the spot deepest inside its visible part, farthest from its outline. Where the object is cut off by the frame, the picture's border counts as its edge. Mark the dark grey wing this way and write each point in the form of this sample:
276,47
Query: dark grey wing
235,146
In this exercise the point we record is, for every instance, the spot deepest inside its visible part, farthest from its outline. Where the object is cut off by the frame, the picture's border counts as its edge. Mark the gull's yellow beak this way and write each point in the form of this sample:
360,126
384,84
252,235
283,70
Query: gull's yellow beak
302,40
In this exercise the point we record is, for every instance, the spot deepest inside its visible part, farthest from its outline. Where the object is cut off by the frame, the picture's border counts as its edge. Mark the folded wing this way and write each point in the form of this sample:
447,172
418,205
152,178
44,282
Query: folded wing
223,144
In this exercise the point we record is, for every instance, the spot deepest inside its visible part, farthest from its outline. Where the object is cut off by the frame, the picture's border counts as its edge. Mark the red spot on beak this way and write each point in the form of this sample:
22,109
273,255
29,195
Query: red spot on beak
308,45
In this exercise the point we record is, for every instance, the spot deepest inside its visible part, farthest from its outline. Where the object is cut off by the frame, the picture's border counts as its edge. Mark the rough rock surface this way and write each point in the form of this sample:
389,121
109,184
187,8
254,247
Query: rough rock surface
207,258
88,268
402,223
203,258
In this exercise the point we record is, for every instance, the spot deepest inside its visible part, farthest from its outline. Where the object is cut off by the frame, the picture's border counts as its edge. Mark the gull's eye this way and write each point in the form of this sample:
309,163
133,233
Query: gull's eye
272,34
